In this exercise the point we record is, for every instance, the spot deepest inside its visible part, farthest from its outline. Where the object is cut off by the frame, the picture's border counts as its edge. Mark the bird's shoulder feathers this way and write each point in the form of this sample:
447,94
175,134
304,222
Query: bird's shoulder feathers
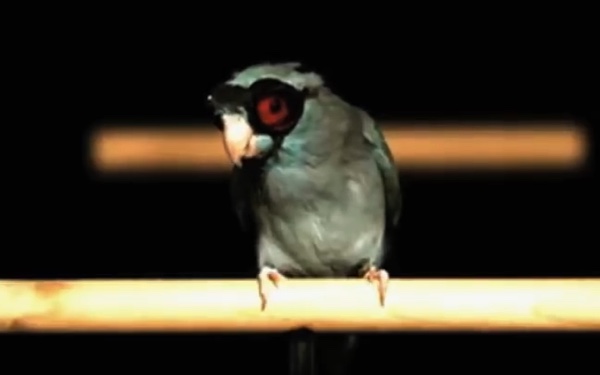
386,166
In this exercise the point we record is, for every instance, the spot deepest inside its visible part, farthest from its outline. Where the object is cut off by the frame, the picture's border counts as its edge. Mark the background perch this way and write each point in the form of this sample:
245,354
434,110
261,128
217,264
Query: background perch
322,305
546,146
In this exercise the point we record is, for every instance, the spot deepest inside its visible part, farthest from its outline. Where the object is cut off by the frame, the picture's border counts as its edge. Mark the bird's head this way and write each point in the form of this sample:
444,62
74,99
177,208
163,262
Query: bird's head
260,106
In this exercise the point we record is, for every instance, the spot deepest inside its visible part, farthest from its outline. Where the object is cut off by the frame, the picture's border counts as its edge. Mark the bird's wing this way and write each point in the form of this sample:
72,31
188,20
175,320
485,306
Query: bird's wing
241,199
387,168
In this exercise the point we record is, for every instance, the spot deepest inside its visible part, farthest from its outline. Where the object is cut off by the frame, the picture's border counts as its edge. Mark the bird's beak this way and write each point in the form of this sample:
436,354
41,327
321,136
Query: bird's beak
238,138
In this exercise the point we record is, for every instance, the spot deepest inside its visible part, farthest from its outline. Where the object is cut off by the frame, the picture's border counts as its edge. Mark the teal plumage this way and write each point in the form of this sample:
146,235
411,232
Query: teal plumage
319,188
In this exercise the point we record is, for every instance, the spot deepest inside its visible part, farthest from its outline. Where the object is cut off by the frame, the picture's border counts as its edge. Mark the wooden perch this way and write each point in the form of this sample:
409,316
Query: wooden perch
446,147
322,305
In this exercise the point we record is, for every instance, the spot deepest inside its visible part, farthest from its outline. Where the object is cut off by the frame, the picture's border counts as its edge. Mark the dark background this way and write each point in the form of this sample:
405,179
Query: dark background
459,224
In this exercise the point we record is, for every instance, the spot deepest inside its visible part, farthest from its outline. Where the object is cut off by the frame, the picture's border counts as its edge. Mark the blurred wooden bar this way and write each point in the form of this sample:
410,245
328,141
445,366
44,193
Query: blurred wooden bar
481,305
452,146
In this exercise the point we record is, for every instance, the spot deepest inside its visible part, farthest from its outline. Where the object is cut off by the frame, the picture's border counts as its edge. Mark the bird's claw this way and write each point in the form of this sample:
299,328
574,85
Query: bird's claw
381,277
267,278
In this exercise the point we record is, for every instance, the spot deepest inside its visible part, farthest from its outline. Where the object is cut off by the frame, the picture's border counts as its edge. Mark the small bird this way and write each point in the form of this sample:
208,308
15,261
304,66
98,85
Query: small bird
313,176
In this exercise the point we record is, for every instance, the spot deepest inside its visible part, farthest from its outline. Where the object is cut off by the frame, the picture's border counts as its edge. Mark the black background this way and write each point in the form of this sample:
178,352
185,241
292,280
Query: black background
527,224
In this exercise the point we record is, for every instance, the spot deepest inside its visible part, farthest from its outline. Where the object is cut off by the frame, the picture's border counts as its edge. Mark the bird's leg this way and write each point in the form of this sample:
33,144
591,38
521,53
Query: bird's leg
267,277
381,277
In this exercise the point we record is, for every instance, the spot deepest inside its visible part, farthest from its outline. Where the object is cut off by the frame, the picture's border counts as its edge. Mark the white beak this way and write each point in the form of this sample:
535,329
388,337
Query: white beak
238,138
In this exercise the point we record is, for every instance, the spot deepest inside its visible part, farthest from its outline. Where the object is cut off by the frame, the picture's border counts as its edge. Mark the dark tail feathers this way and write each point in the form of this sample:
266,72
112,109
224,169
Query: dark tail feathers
327,354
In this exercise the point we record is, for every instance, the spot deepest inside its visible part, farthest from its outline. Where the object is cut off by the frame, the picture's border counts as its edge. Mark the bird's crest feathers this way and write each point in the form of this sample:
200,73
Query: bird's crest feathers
289,73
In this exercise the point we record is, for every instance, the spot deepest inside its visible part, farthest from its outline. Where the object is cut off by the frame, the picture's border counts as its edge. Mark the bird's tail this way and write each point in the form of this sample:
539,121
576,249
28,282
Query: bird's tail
302,353
321,354
335,353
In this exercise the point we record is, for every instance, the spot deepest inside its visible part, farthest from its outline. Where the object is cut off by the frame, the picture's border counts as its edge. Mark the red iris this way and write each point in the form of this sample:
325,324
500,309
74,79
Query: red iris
272,111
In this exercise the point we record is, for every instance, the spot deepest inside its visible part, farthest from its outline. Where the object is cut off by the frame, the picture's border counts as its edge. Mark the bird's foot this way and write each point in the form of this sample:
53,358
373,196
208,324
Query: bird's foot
381,278
267,278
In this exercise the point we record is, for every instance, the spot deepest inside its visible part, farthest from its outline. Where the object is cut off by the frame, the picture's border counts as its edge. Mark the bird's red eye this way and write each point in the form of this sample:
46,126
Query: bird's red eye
272,111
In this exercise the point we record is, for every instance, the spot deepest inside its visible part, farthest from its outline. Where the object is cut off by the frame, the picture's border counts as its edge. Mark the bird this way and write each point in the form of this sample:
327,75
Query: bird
313,178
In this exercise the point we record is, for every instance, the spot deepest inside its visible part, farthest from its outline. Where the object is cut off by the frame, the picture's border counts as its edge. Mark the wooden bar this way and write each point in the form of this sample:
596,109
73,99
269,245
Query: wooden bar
414,147
320,304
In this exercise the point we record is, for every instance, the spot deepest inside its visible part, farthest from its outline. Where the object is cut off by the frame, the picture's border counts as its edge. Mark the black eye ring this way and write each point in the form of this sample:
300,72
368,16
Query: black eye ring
286,97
